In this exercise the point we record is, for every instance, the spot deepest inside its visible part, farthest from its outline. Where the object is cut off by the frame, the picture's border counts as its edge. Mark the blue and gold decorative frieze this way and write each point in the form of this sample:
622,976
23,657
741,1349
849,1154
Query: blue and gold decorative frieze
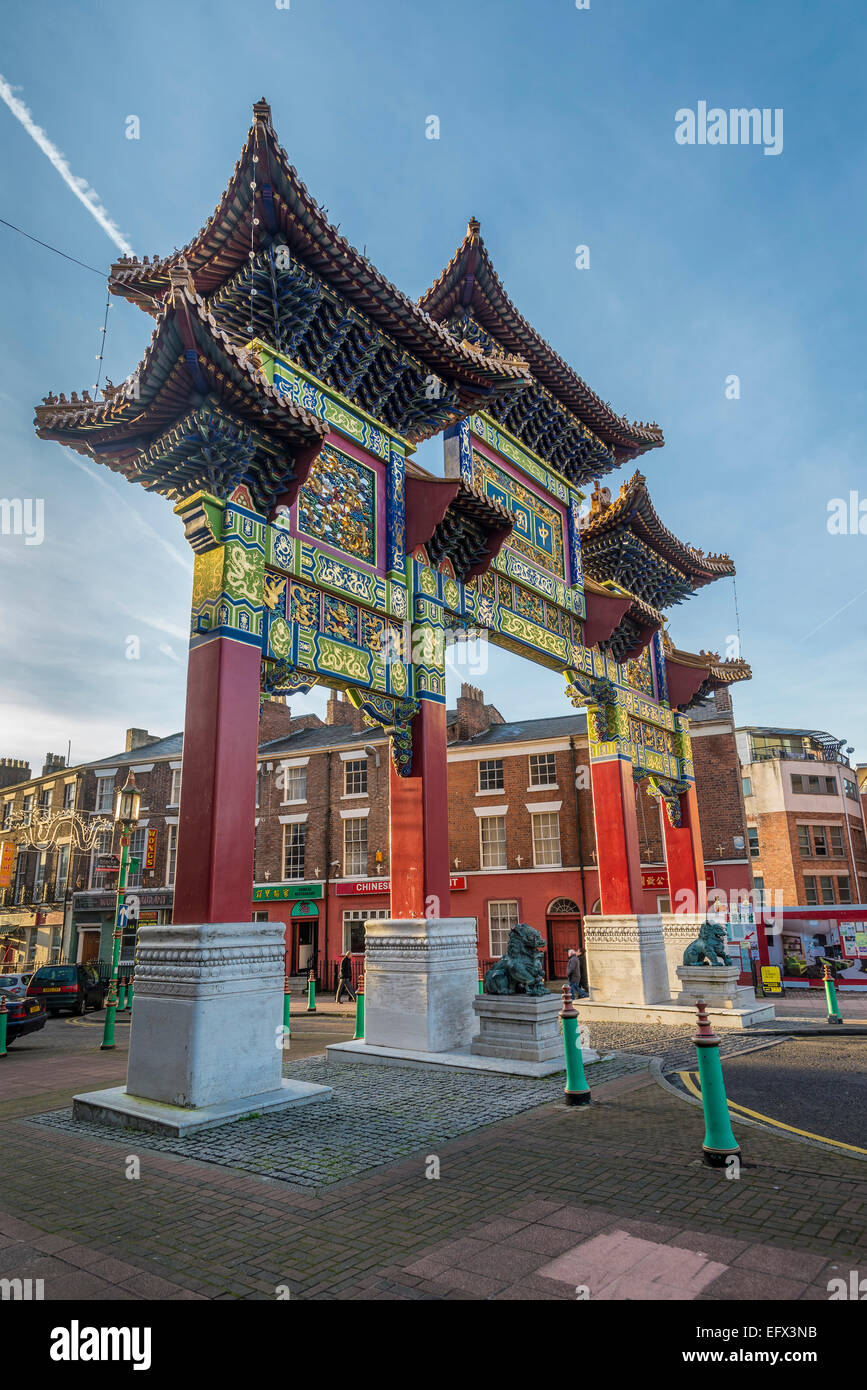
304,560
505,444
337,505
229,572
313,395
395,514
625,723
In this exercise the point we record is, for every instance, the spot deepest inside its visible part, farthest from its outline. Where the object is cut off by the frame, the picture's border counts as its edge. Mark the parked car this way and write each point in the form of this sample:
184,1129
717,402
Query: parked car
71,987
23,1015
14,984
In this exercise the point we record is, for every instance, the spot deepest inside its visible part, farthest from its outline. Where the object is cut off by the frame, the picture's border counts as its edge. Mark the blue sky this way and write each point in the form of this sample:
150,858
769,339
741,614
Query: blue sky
556,130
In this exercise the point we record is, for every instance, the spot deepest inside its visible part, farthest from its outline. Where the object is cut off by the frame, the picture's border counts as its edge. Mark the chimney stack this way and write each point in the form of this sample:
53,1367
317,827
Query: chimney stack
473,715
13,771
342,711
138,738
275,719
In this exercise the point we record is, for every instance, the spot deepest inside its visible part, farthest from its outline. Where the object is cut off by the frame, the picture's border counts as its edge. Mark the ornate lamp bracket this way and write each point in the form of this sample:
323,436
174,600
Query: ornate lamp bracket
669,793
395,718
279,678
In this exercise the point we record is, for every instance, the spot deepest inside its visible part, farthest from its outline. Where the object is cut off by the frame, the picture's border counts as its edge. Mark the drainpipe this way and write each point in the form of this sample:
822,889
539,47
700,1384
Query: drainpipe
578,828
325,892
854,880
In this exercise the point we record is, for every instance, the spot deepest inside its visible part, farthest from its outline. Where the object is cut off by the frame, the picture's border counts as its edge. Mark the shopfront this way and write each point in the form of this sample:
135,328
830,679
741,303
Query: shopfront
300,906
93,917
800,940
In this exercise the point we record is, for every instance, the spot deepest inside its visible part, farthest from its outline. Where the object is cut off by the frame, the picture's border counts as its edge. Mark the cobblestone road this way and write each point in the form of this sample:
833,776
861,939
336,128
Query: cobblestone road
376,1115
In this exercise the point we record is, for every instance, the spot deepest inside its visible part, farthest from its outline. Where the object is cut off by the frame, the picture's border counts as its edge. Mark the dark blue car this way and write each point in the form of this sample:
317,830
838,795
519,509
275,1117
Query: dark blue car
23,1015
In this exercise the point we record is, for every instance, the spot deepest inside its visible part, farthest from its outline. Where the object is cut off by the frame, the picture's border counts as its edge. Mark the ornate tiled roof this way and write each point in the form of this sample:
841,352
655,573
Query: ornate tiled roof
470,288
623,539
194,382
692,676
266,205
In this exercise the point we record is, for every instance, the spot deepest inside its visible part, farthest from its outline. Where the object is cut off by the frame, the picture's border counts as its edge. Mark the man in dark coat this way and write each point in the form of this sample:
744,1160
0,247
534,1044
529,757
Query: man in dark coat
573,975
345,980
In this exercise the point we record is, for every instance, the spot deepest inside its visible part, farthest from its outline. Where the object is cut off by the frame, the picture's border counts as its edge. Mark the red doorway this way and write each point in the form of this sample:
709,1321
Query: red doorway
565,931
303,944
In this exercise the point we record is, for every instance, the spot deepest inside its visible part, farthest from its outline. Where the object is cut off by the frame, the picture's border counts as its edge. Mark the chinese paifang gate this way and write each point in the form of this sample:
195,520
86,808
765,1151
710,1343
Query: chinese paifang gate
277,407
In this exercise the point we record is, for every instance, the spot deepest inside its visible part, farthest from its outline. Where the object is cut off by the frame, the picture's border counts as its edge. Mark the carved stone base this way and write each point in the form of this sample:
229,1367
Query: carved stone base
206,1034
678,930
420,979
520,1026
717,985
626,961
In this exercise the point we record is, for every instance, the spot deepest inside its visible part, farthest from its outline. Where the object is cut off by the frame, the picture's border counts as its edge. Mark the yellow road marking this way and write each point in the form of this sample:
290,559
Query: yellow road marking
690,1081
88,1023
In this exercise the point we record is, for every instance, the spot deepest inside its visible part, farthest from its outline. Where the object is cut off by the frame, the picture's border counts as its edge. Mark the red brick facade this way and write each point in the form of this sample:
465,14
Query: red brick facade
322,851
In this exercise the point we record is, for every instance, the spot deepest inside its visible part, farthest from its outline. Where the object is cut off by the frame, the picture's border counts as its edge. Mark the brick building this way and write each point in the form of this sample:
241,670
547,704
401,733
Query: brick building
36,880
57,896
522,835
805,822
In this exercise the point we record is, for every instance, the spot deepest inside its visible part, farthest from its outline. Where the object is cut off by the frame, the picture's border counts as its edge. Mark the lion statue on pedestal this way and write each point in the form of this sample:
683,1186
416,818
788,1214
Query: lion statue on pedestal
522,969
709,947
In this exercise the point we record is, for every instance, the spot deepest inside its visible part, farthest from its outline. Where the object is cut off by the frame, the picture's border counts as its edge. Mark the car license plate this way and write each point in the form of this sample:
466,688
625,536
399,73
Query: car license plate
51,989
34,1009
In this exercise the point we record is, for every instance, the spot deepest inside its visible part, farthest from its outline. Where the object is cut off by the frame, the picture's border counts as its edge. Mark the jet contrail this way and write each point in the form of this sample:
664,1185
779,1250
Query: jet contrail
79,187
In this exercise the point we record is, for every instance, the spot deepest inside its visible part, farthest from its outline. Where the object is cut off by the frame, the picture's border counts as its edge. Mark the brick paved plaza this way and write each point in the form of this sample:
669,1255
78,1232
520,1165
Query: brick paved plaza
533,1200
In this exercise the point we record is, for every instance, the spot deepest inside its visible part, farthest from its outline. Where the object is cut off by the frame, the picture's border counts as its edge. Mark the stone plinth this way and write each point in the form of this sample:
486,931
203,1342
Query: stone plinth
420,979
717,985
678,930
206,1032
521,1026
626,960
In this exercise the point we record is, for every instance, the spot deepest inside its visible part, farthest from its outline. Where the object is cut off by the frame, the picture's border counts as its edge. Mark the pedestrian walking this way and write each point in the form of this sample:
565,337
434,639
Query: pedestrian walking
344,982
574,973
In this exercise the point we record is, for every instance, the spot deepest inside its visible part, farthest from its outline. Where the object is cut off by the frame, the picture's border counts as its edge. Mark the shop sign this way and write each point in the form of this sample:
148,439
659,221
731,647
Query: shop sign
151,850
294,892
771,982
7,854
658,878
654,878
105,902
457,884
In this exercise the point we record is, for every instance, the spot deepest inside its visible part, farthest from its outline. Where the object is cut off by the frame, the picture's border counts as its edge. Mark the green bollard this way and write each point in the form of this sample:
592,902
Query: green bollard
720,1143
481,980
121,995
129,994
358,1035
287,1000
311,993
110,1011
834,1015
576,1090
3,1012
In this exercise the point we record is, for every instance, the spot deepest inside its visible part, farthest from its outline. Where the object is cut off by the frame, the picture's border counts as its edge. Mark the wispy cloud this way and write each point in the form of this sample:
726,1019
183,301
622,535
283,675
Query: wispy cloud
80,187
178,557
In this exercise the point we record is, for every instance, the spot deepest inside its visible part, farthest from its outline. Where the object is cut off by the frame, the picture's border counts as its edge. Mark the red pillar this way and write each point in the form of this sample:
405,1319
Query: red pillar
419,822
214,875
617,851
683,856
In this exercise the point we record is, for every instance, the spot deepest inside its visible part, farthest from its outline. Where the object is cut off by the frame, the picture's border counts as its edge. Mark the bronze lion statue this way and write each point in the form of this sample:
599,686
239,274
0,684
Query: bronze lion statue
522,969
709,947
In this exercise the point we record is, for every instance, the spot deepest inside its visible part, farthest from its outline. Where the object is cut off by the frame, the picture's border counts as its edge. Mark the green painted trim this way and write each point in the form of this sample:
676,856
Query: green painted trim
535,463
273,359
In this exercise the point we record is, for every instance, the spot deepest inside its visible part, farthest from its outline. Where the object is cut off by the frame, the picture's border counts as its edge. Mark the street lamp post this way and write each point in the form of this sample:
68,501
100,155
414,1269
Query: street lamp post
126,814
